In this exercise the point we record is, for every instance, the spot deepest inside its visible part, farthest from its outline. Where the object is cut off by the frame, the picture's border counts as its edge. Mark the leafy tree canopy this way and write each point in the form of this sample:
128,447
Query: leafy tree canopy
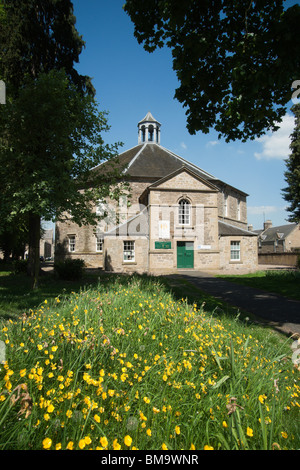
235,60
51,138
292,174
37,36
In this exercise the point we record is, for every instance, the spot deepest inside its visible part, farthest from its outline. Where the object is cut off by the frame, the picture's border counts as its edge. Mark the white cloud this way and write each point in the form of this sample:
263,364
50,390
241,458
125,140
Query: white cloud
276,144
258,210
212,143
183,146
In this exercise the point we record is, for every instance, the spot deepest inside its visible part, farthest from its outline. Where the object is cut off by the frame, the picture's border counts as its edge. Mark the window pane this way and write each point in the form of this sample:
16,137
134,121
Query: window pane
184,212
72,243
235,250
128,252
99,243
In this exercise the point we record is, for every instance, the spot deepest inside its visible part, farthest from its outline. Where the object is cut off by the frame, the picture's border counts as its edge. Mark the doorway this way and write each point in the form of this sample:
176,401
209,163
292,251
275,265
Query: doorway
185,255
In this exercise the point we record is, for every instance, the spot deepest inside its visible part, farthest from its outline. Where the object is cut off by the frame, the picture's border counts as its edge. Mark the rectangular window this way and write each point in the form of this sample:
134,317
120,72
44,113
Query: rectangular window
72,240
128,251
235,251
99,243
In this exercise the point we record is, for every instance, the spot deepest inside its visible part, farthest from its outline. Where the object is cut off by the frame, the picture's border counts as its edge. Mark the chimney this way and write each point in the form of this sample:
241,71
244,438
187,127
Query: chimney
250,228
267,224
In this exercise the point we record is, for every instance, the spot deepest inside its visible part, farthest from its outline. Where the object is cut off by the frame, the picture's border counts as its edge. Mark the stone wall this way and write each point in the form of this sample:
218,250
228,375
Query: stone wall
113,255
248,254
279,259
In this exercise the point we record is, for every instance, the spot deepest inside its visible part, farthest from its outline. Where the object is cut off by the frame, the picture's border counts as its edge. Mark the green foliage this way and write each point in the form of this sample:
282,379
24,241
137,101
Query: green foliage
292,174
36,37
282,282
20,266
69,269
230,58
51,126
50,140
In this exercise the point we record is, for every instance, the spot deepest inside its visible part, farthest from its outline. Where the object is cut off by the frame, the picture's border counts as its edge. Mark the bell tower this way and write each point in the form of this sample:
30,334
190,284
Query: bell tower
149,130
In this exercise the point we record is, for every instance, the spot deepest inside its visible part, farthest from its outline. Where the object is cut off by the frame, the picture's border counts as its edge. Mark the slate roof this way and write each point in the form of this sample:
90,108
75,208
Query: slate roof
152,161
227,229
276,233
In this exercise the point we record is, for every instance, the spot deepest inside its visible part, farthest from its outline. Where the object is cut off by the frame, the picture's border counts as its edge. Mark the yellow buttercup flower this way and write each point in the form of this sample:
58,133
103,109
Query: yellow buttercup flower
262,398
81,444
50,408
249,432
116,445
47,443
104,442
127,441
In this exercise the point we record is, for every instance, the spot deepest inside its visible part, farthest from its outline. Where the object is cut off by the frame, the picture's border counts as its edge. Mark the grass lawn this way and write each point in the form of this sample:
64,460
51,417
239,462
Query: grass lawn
135,362
17,297
285,282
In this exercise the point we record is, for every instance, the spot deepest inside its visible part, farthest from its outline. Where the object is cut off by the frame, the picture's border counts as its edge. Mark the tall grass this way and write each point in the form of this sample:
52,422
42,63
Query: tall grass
127,366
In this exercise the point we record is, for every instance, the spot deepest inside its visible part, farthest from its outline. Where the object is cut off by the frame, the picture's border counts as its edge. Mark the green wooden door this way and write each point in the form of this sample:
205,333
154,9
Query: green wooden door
185,255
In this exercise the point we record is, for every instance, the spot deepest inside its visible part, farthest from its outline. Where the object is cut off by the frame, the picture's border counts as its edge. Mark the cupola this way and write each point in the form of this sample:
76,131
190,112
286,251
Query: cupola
149,130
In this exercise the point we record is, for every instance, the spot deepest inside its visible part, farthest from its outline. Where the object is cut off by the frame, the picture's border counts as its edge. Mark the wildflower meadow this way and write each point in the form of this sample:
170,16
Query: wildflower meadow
125,365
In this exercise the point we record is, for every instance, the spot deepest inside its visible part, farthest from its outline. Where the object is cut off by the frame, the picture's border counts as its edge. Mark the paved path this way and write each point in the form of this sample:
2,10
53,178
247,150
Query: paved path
279,312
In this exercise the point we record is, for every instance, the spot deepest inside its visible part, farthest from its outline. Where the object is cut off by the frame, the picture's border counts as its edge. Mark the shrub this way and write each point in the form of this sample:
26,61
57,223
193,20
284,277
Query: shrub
70,269
20,266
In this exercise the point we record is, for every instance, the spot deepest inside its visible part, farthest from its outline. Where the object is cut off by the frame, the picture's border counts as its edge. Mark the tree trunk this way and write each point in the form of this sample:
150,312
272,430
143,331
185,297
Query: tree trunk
34,249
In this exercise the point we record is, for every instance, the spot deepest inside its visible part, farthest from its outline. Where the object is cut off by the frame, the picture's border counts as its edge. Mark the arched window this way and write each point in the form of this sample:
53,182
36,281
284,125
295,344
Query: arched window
143,133
184,212
150,133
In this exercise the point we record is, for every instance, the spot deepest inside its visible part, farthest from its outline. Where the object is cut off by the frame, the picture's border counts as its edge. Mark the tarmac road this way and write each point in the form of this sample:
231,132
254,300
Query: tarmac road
278,312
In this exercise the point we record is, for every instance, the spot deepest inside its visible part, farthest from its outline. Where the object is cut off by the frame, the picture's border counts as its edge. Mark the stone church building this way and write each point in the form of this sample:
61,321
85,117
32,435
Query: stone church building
178,217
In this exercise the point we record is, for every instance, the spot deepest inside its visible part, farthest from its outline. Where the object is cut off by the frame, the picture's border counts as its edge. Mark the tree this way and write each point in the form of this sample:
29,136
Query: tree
292,175
51,126
13,239
38,36
50,140
235,60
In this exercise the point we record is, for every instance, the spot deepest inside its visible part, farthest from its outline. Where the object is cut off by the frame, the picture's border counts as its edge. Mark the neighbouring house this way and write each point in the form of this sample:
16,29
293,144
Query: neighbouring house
178,217
47,244
279,239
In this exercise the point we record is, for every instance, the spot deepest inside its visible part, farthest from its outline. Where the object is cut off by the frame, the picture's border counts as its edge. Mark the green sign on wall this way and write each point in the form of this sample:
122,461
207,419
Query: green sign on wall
162,245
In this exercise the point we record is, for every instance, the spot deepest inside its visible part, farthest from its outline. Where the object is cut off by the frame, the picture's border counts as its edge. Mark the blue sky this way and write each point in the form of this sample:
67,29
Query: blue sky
130,82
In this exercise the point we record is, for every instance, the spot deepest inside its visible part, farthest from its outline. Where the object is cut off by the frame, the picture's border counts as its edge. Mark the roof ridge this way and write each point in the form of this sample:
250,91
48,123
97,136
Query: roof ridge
186,162
135,157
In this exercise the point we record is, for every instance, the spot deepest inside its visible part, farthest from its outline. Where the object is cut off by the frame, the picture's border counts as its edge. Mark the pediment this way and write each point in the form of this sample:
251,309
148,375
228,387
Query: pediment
184,179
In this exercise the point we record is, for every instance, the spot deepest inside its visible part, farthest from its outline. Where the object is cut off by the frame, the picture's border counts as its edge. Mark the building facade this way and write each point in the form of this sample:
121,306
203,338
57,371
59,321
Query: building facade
176,216
278,239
